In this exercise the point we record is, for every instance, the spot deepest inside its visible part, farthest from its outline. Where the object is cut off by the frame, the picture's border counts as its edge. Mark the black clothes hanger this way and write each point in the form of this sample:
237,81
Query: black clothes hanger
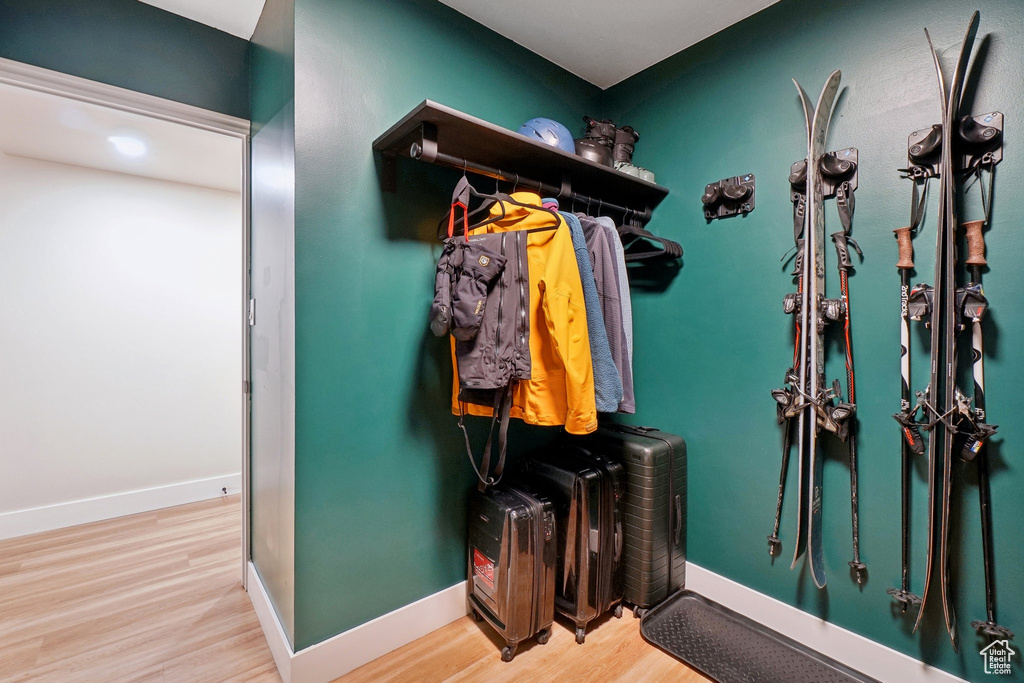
554,214
631,229
460,197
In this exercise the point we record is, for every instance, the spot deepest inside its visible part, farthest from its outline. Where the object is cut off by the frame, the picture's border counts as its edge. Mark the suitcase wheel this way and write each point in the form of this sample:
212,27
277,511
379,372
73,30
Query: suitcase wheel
581,634
544,636
639,612
508,652
476,615
618,611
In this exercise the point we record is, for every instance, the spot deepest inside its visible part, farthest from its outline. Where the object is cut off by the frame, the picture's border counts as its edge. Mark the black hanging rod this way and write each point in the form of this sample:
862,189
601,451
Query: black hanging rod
418,151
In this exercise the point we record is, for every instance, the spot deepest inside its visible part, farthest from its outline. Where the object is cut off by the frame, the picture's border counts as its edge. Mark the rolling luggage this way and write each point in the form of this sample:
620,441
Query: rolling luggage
654,509
586,490
512,563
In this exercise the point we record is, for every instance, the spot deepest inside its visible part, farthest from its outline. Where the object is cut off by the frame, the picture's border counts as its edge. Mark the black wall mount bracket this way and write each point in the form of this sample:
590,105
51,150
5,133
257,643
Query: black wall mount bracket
729,197
837,163
924,147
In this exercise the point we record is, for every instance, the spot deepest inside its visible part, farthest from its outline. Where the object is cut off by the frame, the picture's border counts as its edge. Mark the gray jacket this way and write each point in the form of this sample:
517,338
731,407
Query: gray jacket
602,256
499,351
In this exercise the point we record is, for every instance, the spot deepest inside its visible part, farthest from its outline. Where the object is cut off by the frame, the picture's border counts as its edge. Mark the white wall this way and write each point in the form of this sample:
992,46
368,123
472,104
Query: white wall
120,337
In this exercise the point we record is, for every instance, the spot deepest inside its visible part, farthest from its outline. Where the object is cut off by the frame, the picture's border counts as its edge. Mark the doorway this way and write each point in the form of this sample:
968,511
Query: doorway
124,280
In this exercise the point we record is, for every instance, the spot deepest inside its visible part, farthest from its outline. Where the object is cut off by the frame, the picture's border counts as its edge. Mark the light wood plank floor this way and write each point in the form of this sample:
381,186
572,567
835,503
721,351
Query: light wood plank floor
469,651
150,597
156,597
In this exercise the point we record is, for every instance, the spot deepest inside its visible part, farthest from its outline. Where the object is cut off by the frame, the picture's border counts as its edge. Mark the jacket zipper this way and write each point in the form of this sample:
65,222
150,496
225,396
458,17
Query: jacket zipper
522,297
501,302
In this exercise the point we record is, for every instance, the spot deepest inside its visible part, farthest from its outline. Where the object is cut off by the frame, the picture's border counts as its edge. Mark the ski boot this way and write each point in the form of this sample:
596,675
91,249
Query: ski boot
596,144
622,153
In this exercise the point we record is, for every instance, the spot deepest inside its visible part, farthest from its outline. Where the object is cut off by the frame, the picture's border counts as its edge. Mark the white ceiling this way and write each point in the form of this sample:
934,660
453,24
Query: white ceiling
601,41
53,128
237,17
607,41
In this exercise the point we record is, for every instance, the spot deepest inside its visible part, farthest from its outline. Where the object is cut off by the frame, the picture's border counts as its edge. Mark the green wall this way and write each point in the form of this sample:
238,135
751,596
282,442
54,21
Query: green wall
727,107
381,472
131,45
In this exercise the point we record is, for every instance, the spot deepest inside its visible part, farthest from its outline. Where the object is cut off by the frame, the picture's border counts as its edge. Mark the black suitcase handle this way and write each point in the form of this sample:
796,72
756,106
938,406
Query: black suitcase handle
618,538
679,517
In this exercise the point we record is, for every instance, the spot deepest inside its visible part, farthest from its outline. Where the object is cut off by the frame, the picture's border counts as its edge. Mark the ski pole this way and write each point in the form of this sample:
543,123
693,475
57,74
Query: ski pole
774,544
911,441
910,438
976,260
842,240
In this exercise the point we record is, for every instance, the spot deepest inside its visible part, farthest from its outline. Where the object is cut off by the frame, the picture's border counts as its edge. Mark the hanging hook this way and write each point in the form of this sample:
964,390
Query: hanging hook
465,166
600,205
497,178
515,185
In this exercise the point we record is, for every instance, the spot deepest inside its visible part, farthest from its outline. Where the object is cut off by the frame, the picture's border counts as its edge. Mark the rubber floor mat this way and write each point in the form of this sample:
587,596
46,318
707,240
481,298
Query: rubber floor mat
730,648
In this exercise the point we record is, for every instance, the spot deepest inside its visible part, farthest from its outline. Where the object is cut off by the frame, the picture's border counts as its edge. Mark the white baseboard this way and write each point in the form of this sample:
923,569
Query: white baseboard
280,647
353,648
36,520
860,653
349,650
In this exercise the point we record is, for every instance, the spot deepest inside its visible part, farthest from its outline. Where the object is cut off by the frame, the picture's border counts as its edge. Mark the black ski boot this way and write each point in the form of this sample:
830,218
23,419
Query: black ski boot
625,138
596,144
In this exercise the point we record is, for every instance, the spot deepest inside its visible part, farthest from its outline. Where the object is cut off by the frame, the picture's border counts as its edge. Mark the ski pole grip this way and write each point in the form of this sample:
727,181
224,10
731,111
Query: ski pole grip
906,245
975,243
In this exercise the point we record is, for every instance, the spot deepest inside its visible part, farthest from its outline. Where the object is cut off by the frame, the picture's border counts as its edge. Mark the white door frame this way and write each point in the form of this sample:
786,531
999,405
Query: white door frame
74,87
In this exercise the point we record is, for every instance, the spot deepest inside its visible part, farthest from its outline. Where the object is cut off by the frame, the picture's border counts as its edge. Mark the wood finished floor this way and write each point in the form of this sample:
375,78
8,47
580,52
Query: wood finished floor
149,597
465,650
157,597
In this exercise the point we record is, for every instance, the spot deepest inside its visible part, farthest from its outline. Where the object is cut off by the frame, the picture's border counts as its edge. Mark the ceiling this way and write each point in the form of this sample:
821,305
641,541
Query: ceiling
601,41
607,41
237,17
53,128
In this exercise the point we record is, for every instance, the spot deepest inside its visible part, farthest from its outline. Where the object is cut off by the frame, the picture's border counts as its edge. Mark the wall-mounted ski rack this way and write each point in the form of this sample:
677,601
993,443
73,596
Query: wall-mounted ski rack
830,183
728,197
980,154
440,135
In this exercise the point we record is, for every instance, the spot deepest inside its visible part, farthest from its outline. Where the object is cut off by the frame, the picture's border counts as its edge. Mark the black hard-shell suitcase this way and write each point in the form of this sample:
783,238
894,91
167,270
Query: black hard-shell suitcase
512,563
654,509
587,490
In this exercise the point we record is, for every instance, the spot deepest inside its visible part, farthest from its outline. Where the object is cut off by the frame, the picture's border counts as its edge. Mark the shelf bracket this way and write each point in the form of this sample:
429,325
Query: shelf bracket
388,172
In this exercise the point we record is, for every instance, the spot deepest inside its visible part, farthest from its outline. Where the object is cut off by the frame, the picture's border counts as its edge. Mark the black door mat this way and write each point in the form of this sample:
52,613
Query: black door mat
731,648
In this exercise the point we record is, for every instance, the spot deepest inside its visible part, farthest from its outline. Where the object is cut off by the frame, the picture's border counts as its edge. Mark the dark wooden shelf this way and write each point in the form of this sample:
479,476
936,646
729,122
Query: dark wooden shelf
441,135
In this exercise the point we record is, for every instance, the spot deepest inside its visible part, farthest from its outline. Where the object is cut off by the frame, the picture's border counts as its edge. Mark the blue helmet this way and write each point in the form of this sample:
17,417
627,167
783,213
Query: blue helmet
549,131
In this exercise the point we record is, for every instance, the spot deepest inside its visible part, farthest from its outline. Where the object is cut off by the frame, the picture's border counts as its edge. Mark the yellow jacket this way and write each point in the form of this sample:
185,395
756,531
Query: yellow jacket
561,385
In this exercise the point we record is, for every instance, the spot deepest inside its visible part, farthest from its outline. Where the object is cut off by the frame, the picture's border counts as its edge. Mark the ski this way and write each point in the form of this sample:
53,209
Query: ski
806,318
943,322
815,294
804,399
951,318
788,406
